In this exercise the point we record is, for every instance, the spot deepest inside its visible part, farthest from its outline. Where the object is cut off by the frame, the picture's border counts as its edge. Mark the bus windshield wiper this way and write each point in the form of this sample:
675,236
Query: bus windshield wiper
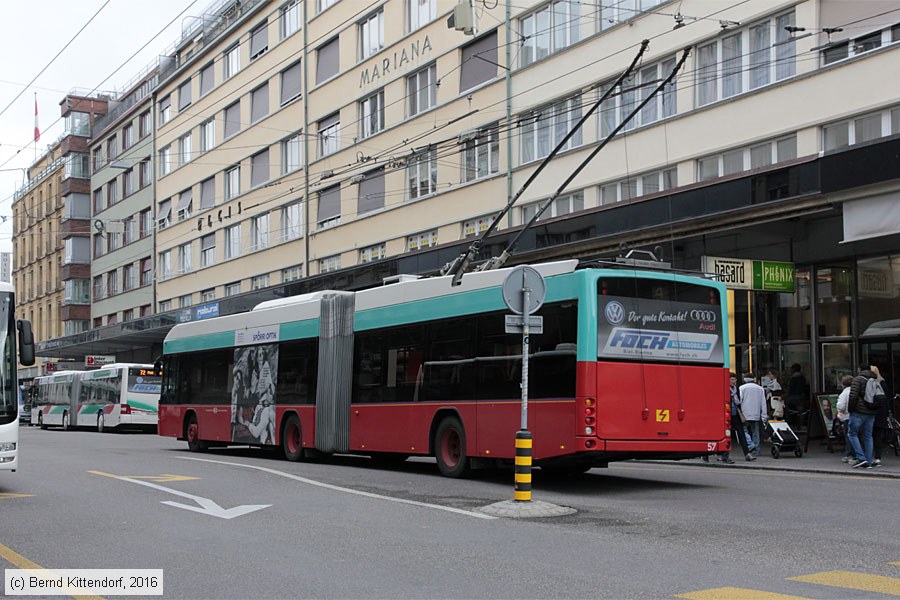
460,264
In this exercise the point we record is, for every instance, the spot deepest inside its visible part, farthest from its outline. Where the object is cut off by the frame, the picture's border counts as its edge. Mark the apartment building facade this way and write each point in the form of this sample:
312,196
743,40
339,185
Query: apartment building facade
302,145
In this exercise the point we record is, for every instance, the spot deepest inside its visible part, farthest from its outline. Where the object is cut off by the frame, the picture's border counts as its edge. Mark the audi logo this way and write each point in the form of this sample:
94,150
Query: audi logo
703,315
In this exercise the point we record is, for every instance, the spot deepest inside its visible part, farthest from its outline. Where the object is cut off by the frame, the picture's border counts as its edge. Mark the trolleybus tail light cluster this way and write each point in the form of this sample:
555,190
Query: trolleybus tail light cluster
590,415
126,410
713,297
603,290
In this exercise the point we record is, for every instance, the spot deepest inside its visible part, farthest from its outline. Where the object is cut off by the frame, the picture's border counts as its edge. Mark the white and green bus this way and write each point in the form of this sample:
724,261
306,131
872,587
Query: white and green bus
122,395
9,385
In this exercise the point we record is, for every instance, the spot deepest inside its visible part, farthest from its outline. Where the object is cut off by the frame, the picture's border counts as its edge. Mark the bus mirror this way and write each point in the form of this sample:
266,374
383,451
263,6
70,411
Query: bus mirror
26,342
157,365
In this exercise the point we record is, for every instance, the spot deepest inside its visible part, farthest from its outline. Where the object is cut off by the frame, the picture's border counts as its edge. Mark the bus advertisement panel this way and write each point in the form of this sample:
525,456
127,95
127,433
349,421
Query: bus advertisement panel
630,364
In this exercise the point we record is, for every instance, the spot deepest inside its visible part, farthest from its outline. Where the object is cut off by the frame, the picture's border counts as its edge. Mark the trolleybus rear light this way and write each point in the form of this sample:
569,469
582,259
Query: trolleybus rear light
588,430
589,420
589,411
589,401
589,444
126,410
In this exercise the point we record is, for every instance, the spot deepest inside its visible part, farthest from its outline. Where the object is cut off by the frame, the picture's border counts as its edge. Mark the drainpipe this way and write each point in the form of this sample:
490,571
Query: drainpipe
509,181
303,139
154,173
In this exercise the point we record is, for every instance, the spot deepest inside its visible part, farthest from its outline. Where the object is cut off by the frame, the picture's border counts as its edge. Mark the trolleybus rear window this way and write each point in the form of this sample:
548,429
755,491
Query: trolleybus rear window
658,320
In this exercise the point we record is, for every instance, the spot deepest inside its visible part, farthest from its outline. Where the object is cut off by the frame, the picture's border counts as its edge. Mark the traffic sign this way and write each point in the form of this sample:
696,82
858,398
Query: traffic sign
516,324
520,279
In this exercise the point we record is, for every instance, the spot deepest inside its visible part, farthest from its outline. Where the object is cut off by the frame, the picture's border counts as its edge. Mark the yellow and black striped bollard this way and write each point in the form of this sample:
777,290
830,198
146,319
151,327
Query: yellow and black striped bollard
523,466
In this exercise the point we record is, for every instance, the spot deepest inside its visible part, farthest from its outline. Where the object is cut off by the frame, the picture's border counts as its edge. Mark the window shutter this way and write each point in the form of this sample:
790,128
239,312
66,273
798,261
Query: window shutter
327,60
329,203
371,192
476,71
291,79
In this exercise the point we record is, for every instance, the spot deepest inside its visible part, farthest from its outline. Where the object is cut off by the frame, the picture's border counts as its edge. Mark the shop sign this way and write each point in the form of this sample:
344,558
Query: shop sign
744,274
98,360
876,284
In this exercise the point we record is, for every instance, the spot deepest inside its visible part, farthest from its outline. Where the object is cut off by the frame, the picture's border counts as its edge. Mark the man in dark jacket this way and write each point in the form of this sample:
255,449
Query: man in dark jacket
862,419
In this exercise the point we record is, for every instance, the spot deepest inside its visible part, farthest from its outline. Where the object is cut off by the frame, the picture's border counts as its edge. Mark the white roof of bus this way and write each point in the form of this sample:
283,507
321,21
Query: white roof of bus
306,306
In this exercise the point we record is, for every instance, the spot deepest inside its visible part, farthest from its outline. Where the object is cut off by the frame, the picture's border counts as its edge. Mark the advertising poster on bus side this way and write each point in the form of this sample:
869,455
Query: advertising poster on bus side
254,375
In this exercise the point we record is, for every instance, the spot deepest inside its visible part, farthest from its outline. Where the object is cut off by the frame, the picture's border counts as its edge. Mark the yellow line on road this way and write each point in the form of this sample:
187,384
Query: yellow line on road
854,581
733,593
164,478
12,495
894,563
21,562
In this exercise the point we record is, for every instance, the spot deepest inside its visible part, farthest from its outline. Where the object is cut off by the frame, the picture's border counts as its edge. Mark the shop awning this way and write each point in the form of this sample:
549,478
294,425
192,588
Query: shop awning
871,217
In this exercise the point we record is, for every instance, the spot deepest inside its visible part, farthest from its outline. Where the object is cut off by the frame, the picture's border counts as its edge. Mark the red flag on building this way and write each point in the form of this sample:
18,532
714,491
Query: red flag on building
37,131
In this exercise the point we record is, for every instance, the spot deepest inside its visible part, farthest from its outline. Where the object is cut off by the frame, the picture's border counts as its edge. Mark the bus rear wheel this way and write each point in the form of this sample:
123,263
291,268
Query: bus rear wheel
192,435
101,423
450,448
292,439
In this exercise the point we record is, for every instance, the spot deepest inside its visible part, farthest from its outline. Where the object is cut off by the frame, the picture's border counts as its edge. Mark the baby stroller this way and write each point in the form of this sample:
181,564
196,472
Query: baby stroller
783,438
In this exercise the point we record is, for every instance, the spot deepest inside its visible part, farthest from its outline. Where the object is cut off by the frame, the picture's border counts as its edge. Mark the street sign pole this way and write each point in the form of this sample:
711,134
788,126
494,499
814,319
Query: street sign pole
525,342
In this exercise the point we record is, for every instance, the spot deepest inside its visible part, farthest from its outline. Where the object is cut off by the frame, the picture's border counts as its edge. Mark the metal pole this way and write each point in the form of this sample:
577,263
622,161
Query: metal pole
525,342
522,491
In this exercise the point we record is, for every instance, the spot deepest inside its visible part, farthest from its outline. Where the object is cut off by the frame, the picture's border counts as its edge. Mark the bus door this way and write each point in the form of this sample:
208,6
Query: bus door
660,370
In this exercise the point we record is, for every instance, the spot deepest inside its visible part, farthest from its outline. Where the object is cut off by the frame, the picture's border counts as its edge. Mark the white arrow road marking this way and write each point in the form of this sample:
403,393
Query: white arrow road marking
458,511
208,506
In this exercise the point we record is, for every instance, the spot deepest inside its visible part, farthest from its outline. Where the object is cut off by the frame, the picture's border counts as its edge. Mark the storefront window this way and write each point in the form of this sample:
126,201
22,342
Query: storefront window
794,318
836,362
833,287
878,280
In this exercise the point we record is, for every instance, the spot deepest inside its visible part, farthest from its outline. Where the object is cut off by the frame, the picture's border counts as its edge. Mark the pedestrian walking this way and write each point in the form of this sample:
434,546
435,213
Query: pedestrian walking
862,419
753,405
843,417
881,431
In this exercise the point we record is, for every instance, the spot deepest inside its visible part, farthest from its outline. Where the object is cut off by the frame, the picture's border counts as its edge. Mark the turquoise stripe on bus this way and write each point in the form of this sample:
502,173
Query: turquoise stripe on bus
560,287
294,330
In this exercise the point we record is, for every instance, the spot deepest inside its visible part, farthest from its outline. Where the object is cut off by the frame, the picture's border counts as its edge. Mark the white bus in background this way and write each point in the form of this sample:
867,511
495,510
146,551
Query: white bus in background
122,395
9,383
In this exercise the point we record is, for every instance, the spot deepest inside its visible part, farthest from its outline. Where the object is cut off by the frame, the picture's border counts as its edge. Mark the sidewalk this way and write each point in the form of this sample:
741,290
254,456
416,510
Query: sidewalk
816,460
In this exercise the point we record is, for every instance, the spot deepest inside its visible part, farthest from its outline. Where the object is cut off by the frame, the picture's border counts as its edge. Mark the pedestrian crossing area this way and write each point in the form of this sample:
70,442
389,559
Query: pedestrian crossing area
865,583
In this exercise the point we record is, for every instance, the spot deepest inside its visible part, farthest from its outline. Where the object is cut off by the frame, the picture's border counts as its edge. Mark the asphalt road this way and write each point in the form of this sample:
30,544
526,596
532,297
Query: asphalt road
344,529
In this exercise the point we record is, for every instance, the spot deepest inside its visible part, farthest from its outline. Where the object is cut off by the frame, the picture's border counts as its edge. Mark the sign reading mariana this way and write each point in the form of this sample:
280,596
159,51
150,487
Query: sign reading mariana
394,62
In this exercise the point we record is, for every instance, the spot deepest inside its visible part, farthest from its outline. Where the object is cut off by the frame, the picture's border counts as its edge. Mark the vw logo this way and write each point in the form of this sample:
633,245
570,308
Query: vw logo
615,312
708,316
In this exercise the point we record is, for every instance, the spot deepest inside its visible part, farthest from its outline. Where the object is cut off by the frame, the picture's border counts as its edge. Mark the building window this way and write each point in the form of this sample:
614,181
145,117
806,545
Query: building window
184,95
290,18
371,253
291,222
642,185
165,161
329,213
186,144
420,13
164,265
207,79
476,226
207,135
112,283
77,291
127,136
164,215
185,204
98,287
323,4
112,194
127,183
184,258
291,83
421,174
371,35
231,61
259,40
145,177
481,154
165,110
479,62
370,192
208,295
129,233
165,306
112,241
292,153
232,181
146,222
371,114
259,103
421,90
259,168
259,232
99,245
563,205
208,250
232,119
185,301
207,193
291,274
623,11
619,105
146,310
98,200
128,315
232,289
746,59
542,129
129,277
549,29
144,125
422,240
232,241
259,282
328,60
329,135
146,271
331,263
860,129
743,159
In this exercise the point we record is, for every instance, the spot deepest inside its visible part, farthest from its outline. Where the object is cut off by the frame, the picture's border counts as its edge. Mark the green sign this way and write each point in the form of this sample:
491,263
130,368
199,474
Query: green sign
745,274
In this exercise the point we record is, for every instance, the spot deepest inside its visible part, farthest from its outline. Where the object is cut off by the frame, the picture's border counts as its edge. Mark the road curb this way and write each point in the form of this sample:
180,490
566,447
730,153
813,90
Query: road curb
874,473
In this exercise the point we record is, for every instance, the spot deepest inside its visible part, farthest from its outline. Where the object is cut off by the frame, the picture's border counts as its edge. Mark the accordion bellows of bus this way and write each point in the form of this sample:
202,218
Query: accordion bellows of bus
631,363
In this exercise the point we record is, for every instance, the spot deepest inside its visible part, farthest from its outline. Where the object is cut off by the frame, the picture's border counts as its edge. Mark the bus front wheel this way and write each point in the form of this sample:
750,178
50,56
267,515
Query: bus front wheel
41,421
292,439
101,423
450,448
65,421
192,435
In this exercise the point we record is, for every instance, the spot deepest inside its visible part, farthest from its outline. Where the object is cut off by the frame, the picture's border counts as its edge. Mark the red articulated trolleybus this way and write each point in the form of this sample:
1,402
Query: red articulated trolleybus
632,363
